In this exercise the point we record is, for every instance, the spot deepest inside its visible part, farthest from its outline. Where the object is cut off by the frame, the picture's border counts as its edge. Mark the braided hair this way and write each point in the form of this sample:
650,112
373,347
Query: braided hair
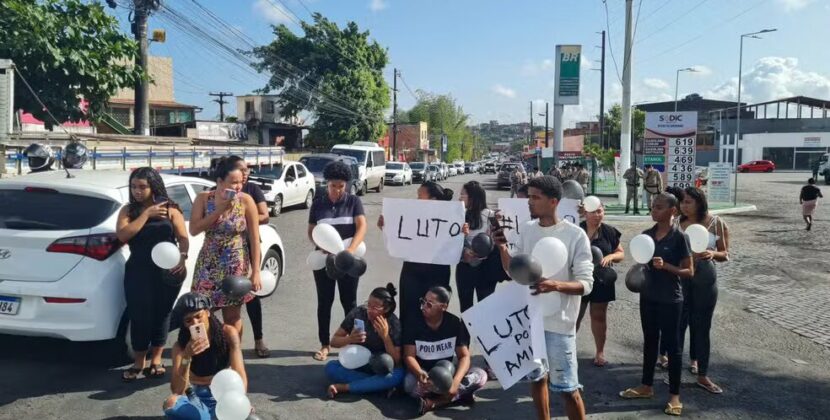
216,338
157,188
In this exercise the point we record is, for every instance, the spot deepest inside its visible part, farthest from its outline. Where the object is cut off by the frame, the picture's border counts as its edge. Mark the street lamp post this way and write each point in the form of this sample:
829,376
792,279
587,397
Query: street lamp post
736,148
677,83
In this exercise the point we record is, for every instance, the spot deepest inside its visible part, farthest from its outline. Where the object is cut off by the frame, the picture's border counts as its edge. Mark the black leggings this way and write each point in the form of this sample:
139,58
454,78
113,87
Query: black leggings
416,279
660,322
149,302
347,286
699,308
254,308
471,281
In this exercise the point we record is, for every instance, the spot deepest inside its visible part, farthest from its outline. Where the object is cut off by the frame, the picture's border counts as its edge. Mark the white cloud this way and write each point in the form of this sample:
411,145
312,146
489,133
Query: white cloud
793,5
773,78
548,64
377,5
702,70
655,83
271,12
504,91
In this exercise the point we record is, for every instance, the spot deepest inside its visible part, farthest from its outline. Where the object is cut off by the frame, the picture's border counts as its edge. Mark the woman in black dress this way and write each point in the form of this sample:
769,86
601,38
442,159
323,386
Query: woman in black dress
149,219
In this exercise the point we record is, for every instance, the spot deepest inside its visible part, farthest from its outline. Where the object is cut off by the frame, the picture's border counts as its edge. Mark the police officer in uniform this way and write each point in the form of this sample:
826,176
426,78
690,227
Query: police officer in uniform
632,177
653,184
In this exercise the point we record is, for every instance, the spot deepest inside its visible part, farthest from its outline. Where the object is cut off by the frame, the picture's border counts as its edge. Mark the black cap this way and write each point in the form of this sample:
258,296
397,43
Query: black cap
190,302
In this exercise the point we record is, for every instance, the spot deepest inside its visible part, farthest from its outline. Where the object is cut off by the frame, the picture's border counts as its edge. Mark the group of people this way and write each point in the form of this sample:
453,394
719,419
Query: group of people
680,291
572,171
652,184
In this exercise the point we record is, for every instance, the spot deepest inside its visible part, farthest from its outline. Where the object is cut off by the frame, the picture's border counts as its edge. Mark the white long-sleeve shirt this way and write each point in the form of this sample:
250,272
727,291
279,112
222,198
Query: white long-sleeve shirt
580,267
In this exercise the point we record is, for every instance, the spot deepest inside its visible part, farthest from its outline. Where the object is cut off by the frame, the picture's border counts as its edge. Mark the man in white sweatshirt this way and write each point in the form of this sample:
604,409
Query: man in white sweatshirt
572,282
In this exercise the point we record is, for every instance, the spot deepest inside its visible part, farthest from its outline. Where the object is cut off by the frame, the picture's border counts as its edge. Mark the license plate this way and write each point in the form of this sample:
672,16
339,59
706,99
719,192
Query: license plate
9,305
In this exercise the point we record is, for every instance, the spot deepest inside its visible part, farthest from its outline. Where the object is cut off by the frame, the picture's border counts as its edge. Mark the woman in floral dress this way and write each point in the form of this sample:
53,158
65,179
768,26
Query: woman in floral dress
224,216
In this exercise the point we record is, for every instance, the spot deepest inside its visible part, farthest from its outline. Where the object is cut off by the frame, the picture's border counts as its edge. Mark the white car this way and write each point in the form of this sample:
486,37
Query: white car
285,185
398,173
61,265
453,171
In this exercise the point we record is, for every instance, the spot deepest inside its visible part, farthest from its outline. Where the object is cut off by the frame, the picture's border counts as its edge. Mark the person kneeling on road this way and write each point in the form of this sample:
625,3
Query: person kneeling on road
374,326
439,335
196,359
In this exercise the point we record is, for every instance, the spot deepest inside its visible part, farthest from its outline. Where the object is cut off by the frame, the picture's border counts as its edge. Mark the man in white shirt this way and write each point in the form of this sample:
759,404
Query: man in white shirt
572,282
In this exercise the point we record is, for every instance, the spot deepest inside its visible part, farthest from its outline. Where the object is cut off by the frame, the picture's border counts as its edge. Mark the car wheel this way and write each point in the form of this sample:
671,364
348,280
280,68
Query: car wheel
380,186
353,190
364,188
276,209
768,170
118,351
272,263
309,198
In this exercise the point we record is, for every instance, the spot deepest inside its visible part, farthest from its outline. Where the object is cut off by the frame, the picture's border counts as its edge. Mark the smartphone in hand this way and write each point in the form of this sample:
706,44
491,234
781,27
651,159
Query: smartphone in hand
198,331
359,325
230,194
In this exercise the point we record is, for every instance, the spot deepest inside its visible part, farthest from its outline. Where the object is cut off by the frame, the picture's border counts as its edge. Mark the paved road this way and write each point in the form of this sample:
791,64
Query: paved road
770,321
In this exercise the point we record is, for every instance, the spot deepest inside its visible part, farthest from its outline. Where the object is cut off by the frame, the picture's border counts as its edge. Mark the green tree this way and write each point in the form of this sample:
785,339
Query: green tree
613,124
66,50
444,116
335,74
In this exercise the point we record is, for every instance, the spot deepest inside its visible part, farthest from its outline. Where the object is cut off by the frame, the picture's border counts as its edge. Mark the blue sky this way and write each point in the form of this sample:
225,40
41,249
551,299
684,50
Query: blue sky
495,57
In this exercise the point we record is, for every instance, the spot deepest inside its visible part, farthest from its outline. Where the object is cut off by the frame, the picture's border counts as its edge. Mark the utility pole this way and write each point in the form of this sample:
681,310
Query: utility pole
530,142
395,117
625,135
547,136
141,110
221,101
602,96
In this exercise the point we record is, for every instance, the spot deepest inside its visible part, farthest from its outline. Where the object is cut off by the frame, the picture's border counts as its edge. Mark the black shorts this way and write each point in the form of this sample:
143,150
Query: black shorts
602,293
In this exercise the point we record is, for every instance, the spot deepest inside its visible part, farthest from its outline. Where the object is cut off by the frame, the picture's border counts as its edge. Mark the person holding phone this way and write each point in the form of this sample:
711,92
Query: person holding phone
148,219
231,246
477,276
374,326
203,348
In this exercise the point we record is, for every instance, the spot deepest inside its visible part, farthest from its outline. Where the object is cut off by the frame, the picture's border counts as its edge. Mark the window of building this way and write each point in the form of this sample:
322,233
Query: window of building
269,107
782,156
249,106
122,115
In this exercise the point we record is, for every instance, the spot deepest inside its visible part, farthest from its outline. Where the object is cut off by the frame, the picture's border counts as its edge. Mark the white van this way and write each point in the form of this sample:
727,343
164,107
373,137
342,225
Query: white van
371,160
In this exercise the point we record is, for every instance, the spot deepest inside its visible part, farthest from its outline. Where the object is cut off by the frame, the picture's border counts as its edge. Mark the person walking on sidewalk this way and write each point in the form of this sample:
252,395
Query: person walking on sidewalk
517,179
633,176
809,200
653,185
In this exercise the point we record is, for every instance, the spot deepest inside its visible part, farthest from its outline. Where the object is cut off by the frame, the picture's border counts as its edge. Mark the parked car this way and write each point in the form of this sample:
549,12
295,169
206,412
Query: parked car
317,162
418,171
459,168
757,166
398,173
489,167
452,170
285,185
371,160
61,265
444,170
432,172
505,170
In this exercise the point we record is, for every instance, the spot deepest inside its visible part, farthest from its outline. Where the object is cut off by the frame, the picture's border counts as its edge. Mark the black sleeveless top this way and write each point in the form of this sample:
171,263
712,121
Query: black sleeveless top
151,234
210,362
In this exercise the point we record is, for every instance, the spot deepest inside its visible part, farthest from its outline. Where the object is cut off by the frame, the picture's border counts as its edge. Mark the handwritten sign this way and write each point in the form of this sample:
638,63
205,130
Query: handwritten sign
508,326
568,210
514,213
425,231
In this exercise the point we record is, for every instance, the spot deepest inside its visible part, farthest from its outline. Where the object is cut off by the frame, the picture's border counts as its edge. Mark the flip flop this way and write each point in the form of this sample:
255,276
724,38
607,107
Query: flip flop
263,352
633,394
693,369
712,388
673,410
321,355
155,371
131,374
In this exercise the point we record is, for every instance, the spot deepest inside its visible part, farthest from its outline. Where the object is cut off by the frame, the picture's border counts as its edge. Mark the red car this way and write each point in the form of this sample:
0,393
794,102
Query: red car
757,166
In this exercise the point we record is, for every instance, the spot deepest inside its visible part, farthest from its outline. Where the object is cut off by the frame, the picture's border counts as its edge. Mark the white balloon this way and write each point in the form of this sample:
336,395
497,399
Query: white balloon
698,237
326,237
269,283
354,356
361,249
552,254
642,248
165,255
233,406
316,260
591,203
227,381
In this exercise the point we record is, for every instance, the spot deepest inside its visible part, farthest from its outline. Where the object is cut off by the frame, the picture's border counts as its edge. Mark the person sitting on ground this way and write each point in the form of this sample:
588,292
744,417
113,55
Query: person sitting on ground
381,333
197,359
440,336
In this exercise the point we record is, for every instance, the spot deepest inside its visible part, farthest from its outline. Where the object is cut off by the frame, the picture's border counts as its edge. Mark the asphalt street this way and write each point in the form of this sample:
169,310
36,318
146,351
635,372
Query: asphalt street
770,336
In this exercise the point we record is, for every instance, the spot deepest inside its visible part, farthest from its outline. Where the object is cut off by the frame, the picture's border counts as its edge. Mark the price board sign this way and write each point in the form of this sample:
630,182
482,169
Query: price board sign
676,134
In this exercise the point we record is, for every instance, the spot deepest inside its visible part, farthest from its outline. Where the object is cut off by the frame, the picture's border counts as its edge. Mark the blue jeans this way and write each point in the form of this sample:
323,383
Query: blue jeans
185,410
561,364
362,382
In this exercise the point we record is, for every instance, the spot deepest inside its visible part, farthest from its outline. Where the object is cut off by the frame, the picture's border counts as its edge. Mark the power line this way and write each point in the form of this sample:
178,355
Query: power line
611,43
407,87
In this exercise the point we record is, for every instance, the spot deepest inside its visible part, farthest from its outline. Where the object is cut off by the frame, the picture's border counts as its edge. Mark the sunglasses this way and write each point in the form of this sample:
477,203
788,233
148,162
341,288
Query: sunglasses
427,304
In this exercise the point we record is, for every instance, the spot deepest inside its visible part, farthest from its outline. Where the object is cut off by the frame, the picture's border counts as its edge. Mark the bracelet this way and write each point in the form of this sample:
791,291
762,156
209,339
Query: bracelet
185,362
183,254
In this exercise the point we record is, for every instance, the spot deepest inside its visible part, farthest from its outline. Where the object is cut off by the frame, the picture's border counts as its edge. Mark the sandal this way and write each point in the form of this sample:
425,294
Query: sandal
263,352
693,369
633,394
322,355
131,374
155,371
711,387
673,410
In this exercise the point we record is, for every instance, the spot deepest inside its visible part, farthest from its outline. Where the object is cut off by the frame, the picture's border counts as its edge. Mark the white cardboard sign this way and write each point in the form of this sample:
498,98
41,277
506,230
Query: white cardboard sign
513,214
424,231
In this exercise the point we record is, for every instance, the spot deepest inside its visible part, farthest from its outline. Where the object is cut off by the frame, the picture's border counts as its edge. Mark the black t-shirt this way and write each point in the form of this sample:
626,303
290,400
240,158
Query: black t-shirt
431,345
254,191
607,238
341,214
810,192
373,341
661,285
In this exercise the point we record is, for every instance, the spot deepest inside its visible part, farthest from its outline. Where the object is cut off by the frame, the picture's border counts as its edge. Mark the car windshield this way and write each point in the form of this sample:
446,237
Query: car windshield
315,164
394,165
360,155
417,165
433,168
269,172
46,209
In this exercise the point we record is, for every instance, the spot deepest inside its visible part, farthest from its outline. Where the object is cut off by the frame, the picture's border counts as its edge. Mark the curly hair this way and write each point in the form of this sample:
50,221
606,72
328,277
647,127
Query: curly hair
478,202
157,188
548,185
436,191
337,171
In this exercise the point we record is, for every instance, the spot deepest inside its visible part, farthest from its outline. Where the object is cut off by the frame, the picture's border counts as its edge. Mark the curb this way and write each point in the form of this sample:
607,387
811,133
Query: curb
641,218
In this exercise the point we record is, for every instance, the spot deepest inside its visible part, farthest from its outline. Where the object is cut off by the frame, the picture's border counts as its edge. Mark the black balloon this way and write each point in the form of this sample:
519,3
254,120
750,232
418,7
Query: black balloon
448,365
441,379
596,253
636,277
358,267
524,269
572,189
605,275
482,245
331,269
344,261
382,364
236,287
